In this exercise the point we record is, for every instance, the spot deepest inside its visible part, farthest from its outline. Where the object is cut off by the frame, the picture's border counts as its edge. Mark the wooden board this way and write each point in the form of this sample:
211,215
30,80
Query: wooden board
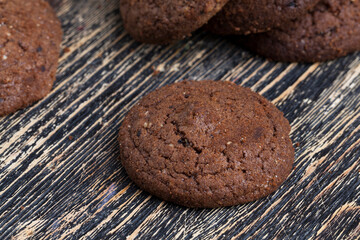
60,177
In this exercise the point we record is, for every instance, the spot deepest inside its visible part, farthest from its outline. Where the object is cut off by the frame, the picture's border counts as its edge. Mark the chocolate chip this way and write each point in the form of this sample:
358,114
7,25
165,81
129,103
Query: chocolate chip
42,68
138,133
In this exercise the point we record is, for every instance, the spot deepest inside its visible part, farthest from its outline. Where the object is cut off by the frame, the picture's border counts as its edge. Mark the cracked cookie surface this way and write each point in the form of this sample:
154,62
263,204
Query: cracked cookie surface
30,36
206,144
331,30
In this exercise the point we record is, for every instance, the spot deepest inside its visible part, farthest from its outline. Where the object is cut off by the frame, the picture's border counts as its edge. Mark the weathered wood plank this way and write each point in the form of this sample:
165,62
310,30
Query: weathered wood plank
60,177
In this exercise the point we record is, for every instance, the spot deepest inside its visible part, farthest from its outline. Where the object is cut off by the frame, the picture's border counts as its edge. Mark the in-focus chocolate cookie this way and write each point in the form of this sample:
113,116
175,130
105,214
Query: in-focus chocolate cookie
331,30
30,36
206,144
165,21
254,16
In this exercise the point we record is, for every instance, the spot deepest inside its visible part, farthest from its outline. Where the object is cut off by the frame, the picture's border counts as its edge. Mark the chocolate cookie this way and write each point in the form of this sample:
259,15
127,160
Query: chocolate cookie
206,144
164,21
254,16
30,36
331,30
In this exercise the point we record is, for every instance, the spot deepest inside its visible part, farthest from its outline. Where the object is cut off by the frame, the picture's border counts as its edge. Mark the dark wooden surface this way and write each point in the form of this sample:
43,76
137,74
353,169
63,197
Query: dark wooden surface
60,177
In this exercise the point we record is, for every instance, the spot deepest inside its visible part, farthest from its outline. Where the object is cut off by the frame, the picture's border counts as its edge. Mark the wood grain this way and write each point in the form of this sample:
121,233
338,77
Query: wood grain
60,177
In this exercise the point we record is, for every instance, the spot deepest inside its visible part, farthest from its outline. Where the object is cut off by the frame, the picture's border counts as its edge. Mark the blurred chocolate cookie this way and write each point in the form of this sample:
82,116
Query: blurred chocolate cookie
30,36
254,16
329,31
164,21
206,144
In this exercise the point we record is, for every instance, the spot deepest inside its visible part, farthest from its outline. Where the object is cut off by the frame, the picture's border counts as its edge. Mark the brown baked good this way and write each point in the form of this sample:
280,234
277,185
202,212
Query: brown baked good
254,16
331,30
30,36
165,21
206,144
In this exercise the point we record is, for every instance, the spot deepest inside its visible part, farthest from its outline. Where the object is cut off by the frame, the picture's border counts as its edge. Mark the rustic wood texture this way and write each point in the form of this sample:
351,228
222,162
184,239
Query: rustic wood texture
60,177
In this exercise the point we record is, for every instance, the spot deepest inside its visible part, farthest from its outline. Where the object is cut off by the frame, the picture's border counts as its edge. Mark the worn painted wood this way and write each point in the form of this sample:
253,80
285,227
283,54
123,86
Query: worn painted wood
60,177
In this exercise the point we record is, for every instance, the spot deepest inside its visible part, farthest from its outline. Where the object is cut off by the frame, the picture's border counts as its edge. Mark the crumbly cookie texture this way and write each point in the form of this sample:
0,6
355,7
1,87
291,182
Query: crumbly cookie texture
330,31
255,16
165,21
206,144
30,37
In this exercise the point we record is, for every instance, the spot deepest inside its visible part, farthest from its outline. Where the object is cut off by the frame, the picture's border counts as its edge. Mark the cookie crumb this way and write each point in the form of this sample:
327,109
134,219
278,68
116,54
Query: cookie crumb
80,28
66,50
155,71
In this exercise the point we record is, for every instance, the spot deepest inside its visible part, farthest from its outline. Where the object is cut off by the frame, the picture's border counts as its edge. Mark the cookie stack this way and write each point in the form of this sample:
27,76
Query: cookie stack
282,30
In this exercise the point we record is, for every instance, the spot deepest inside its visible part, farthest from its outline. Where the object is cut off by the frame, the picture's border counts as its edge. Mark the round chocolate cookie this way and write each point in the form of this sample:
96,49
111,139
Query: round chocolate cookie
206,144
254,16
164,21
30,36
331,30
